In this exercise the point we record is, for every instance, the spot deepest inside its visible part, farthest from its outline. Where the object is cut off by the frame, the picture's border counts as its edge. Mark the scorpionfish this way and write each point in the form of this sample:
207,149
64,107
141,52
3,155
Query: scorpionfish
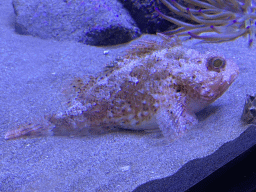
154,86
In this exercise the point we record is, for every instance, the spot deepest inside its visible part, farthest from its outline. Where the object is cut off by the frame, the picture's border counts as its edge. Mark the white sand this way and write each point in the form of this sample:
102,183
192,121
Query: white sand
31,74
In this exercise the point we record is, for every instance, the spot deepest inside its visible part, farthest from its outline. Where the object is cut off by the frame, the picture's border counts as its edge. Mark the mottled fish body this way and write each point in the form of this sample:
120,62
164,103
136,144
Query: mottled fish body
154,86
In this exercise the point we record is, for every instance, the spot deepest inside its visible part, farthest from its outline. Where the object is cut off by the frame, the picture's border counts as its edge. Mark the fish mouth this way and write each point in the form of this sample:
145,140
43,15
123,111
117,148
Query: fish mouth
219,88
226,84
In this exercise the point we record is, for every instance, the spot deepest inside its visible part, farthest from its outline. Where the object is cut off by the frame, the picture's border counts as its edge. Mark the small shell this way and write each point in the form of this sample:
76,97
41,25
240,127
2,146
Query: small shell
106,52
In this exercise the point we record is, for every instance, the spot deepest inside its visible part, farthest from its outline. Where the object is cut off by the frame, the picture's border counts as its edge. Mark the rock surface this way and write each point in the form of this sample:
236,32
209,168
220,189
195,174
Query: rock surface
90,22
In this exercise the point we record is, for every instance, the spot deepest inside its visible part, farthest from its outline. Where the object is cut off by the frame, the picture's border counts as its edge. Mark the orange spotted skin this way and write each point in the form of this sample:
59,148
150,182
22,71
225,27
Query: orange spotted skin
154,86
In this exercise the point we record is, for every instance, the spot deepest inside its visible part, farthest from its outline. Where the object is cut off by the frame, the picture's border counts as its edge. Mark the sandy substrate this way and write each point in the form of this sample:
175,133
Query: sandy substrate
32,72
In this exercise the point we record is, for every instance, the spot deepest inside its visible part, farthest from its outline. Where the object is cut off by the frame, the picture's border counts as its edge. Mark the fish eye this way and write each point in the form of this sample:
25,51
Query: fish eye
216,64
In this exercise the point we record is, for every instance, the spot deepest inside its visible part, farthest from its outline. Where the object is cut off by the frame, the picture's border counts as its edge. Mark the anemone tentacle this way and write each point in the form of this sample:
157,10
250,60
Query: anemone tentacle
225,20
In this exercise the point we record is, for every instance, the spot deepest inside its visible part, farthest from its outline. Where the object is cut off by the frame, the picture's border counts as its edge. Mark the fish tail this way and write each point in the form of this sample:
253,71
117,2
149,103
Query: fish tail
39,128
57,125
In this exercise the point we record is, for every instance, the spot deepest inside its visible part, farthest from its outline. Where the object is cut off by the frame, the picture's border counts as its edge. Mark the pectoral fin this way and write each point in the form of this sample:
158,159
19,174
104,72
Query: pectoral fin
174,123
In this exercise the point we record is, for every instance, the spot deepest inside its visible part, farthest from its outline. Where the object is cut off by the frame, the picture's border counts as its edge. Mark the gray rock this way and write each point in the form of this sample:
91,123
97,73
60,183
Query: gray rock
94,22
249,111
144,14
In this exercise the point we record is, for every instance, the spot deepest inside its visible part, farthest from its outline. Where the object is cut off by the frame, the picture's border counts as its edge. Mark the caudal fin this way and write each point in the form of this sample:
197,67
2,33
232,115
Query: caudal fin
39,128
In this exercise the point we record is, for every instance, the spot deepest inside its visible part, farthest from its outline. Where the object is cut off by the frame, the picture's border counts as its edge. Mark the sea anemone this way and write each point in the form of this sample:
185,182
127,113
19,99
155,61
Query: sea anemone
226,20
